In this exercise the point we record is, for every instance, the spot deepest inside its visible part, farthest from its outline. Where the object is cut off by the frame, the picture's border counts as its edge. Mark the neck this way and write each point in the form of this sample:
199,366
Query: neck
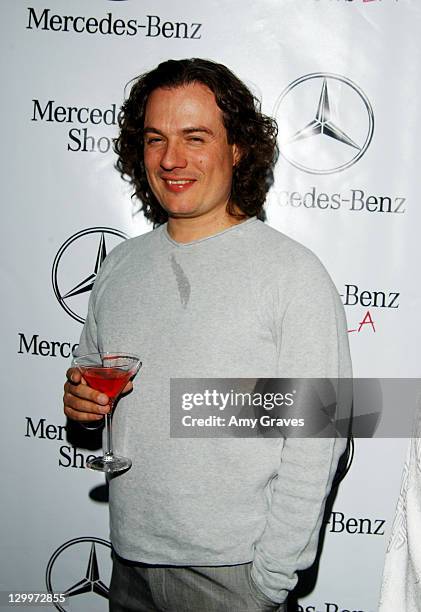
188,229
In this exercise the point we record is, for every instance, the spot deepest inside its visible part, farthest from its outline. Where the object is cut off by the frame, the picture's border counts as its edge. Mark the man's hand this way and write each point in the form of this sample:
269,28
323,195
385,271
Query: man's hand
81,403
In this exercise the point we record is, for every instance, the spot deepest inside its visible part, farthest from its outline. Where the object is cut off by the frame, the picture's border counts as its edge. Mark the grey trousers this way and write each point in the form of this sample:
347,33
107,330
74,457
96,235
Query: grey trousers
137,587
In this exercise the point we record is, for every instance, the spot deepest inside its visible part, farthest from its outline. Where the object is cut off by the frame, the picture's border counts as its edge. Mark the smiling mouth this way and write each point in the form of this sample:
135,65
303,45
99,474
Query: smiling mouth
179,182
178,185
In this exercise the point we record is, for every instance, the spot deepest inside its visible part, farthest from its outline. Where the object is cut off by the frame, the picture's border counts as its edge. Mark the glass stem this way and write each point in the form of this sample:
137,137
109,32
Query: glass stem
108,434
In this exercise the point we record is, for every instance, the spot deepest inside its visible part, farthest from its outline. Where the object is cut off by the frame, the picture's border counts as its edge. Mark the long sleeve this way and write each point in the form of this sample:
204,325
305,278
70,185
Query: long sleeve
312,344
88,342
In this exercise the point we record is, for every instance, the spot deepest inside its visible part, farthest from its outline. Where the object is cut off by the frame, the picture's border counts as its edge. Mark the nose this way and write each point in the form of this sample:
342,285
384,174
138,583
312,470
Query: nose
173,156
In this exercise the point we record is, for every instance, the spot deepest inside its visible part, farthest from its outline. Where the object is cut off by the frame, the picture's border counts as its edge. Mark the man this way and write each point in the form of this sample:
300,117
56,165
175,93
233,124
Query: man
212,525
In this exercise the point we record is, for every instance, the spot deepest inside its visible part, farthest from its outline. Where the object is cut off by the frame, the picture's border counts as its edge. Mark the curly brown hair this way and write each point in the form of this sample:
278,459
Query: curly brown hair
254,134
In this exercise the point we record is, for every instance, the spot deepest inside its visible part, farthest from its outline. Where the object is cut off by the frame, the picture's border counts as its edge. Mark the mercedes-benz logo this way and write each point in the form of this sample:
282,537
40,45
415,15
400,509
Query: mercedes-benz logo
91,583
77,264
325,122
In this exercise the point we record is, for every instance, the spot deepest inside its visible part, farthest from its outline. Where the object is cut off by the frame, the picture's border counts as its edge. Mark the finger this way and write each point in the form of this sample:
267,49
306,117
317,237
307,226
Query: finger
81,398
128,387
76,415
73,375
84,392
82,405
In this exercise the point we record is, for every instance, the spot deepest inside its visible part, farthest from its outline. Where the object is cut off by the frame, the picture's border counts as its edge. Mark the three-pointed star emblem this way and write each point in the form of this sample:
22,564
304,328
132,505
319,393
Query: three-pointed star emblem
80,569
325,123
91,582
76,266
322,123
87,283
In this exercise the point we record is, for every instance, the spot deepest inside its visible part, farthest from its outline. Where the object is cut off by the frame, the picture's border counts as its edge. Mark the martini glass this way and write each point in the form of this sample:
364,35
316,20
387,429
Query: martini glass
108,373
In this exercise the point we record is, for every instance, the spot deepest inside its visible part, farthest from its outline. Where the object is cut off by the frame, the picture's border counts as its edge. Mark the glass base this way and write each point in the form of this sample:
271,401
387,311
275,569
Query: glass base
110,465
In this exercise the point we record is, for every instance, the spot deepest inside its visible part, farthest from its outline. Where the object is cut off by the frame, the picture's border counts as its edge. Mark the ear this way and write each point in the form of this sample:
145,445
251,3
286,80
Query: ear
236,154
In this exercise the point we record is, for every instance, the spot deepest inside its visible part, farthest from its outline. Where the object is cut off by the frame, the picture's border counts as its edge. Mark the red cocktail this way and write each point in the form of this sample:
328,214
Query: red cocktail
108,373
110,381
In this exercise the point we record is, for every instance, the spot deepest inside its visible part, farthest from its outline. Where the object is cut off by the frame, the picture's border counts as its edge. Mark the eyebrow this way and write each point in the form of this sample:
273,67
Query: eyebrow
187,130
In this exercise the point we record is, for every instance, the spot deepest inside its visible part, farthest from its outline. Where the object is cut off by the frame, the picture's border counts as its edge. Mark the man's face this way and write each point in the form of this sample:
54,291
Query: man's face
188,160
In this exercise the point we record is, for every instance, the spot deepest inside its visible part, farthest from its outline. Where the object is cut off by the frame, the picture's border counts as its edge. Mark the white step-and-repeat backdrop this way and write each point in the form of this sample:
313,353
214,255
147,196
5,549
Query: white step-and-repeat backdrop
341,77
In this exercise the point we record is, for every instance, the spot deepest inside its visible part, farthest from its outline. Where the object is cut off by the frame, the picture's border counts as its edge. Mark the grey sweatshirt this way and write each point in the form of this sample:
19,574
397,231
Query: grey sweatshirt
246,302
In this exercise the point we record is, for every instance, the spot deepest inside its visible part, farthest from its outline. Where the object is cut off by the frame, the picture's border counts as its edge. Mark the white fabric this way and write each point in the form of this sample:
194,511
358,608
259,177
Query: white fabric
401,587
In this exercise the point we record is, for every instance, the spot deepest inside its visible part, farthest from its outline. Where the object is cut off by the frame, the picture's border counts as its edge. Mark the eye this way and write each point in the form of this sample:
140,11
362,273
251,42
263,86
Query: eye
196,139
152,139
